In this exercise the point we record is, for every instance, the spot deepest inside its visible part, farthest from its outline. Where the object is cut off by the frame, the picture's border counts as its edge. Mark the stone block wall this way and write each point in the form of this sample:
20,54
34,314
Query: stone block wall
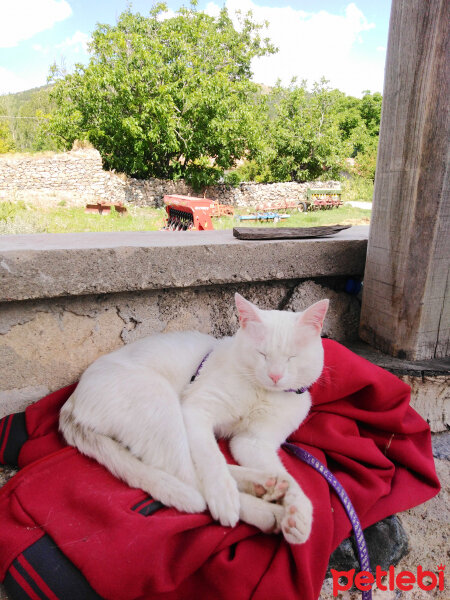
74,175
65,299
77,177
47,344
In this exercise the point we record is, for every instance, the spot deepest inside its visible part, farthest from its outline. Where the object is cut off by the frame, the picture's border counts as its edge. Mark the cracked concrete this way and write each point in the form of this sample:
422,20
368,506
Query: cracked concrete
51,350
61,265
45,345
342,318
430,397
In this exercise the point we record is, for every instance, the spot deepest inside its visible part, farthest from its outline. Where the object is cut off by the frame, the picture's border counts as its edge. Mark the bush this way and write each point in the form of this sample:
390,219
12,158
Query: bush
357,188
233,179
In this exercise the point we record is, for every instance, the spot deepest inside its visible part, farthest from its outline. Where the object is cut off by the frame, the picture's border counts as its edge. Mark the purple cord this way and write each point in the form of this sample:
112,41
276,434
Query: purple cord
199,367
342,494
343,497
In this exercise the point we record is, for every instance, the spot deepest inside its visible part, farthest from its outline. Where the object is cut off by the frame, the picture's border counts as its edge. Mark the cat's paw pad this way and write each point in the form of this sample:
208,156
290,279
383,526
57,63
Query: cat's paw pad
272,518
297,521
223,501
272,489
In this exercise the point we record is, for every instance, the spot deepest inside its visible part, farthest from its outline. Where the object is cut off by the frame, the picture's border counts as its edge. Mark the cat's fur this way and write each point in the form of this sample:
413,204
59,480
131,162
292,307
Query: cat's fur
136,412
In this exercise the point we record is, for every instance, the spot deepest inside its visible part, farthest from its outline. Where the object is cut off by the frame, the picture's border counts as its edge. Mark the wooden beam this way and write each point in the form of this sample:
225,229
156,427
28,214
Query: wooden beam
406,300
280,233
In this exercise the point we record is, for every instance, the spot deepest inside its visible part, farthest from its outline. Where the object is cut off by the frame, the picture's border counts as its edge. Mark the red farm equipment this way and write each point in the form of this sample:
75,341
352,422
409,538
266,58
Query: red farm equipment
186,212
323,199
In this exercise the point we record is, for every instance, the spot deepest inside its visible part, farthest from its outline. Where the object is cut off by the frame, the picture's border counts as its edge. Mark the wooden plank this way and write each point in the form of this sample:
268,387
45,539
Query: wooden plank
277,233
408,255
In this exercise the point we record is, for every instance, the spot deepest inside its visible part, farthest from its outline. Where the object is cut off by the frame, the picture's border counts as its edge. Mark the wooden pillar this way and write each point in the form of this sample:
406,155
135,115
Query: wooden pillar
406,299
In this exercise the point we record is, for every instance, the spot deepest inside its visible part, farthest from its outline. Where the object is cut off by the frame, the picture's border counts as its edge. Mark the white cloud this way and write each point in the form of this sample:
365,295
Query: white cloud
40,48
10,82
22,19
312,45
168,14
77,43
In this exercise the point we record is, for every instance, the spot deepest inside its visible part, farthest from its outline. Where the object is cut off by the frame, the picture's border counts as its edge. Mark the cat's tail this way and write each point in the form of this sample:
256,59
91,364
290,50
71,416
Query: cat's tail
118,460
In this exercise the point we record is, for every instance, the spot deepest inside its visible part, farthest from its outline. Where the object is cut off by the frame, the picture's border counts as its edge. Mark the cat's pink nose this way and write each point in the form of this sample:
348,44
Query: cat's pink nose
275,377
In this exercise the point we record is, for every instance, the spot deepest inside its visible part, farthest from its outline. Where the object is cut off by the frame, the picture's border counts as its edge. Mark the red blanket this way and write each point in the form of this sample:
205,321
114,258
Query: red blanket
361,426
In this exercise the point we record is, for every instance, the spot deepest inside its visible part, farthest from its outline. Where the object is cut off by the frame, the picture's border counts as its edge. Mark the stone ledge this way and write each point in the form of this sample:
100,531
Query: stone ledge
53,265
436,367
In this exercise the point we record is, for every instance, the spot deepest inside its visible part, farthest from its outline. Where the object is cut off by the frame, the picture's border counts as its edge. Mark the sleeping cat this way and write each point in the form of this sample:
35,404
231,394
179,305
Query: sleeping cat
137,412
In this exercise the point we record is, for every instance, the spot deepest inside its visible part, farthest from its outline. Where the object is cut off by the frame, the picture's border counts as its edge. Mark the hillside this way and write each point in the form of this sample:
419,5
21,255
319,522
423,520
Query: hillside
23,112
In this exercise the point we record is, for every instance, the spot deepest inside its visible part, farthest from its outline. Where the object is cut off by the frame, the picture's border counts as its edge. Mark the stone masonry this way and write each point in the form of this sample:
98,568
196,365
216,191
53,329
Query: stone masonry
77,177
67,299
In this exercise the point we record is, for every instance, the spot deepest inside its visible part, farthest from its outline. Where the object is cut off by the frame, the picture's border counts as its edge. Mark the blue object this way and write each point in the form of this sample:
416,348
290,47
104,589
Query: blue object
263,217
353,286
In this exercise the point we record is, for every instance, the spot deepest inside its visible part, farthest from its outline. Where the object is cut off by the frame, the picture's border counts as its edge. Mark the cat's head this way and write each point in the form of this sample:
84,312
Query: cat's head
280,350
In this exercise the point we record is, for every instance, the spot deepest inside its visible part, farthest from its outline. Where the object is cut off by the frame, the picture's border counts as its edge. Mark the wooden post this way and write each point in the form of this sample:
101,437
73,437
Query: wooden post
406,300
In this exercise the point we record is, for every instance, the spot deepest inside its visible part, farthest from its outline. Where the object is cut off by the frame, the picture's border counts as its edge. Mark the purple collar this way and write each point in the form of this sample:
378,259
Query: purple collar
194,377
301,390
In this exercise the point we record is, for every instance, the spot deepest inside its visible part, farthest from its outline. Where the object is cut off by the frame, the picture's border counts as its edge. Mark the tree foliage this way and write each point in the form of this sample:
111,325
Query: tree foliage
165,97
309,134
26,112
303,139
173,97
6,139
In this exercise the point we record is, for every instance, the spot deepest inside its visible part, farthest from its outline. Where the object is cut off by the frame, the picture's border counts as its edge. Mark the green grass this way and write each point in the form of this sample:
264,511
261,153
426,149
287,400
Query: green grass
21,217
345,215
357,188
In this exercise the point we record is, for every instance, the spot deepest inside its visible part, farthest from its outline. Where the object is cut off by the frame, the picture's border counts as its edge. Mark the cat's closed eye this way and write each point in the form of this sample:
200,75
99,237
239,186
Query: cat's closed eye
262,353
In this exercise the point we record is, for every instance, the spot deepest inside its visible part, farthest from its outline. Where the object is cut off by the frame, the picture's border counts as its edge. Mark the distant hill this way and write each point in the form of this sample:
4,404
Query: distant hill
26,94
25,111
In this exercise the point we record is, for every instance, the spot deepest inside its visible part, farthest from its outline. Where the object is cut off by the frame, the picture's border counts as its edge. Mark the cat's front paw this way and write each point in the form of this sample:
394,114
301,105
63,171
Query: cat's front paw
297,520
191,502
222,498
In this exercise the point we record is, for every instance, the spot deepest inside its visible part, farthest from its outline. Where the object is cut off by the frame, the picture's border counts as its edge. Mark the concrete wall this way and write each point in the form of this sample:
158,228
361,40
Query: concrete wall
77,177
67,299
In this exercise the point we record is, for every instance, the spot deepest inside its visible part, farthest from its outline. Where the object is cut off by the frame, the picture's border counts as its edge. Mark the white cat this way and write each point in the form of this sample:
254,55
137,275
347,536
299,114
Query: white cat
137,412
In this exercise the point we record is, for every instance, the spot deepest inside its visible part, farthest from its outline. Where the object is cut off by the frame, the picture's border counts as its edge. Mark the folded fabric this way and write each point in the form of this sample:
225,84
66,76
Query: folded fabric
70,529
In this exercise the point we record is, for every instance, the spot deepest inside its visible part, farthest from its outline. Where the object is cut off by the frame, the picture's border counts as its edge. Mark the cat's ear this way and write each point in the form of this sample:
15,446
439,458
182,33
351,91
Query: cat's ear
248,312
315,315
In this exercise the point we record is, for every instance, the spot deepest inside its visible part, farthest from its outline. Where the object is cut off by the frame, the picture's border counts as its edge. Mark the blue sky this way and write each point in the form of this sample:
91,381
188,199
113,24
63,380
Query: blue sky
343,41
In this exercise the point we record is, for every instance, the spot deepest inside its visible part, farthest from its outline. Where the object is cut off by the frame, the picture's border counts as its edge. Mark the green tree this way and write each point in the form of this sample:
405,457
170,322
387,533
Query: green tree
304,140
6,134
165,97
370,110
27,112
30,126
365,136
6,141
